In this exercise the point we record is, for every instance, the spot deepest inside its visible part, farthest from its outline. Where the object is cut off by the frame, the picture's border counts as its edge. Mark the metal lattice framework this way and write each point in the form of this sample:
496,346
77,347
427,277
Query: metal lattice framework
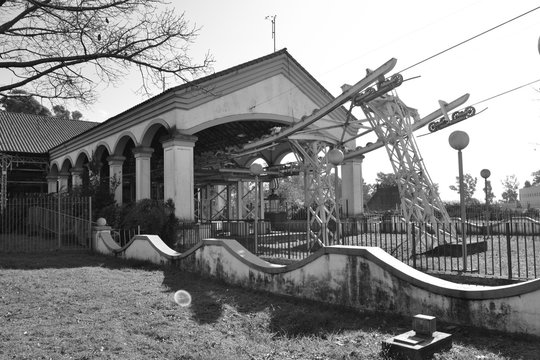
393,121
320,201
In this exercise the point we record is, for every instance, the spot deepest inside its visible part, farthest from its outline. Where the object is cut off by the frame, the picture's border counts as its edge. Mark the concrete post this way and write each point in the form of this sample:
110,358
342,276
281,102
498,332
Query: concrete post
178,176
115,171
63,181
352,187
240,192
52,184
76,176
142,172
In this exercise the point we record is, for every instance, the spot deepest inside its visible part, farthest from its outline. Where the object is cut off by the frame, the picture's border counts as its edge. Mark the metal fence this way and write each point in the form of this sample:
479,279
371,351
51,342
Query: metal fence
43,223
497,249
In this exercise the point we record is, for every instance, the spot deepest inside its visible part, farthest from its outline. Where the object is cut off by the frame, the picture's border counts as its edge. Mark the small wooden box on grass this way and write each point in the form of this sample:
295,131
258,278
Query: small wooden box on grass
420,343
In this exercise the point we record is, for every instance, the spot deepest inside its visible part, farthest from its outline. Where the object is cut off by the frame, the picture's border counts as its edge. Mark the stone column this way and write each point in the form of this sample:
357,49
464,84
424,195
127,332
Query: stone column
52,184
240,191
229,202
63,181
352,187
115,173
178,174
220,202
261,199
142,172
76,176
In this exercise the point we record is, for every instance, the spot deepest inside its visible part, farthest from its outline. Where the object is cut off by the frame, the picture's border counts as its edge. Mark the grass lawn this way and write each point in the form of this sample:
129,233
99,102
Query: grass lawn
82,306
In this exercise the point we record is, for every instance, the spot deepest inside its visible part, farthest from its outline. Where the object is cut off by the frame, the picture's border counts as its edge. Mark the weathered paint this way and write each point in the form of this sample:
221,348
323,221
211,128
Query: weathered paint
364,278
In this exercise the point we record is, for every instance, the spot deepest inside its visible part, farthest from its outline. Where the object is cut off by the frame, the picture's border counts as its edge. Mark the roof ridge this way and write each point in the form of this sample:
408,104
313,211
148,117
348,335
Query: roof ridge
10,113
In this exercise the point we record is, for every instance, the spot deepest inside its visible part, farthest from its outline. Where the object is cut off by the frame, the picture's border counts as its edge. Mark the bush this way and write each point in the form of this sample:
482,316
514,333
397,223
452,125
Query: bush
152,216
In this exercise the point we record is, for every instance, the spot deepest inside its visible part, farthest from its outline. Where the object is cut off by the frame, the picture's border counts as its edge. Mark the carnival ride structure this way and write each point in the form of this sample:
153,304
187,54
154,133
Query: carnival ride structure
393,123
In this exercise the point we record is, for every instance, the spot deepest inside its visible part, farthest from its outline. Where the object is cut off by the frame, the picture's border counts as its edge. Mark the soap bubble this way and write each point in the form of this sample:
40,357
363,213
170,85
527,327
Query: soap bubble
182,298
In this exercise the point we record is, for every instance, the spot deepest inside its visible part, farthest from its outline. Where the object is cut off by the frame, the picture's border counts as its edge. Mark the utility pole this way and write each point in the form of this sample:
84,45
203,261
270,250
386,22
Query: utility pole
272,18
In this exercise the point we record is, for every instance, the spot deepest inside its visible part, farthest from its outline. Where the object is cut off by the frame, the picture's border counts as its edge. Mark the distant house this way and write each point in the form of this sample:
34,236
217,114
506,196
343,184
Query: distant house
25,141
529,197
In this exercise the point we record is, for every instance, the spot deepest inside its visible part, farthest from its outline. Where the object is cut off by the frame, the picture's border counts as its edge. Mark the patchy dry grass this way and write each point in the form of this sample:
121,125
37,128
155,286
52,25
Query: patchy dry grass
80,306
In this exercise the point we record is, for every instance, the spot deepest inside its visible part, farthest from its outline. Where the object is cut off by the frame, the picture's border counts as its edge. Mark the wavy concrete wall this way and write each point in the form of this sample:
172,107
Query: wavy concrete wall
365,278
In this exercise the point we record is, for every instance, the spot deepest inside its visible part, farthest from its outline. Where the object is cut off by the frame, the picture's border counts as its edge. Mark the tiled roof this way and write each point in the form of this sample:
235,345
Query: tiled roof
36,134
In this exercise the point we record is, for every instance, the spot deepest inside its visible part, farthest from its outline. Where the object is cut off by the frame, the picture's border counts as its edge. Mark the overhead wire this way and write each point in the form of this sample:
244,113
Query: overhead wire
451,48
470,39
506,92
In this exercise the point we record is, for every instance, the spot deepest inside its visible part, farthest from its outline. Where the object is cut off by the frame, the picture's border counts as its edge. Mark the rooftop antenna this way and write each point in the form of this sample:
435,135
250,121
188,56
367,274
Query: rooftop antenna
272,18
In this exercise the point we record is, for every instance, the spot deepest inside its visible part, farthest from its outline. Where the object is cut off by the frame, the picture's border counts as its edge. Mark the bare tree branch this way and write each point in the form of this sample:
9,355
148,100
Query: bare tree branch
57,49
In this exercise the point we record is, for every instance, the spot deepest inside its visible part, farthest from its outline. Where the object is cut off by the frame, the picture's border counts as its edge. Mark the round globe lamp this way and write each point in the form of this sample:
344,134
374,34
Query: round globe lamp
335,157
458,140
256,169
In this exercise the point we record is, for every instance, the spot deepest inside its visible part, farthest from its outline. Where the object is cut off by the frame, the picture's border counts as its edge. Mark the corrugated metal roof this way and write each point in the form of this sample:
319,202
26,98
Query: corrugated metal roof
37,134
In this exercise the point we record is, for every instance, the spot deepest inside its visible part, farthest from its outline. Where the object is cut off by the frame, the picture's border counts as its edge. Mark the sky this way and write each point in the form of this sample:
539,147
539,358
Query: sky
335,41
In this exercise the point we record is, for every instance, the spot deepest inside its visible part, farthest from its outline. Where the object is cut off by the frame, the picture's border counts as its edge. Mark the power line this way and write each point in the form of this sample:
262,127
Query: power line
453,47
505,92
469,39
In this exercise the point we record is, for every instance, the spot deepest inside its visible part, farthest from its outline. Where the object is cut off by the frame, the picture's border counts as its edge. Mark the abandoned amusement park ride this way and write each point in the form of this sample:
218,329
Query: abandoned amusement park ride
393,123
386,116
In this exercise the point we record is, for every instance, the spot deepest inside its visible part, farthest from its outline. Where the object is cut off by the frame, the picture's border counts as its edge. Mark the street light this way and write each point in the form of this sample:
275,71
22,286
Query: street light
458,141
256,169
335,157
485,173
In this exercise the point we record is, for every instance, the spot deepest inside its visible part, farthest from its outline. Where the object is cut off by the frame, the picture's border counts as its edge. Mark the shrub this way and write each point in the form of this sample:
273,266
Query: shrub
151,216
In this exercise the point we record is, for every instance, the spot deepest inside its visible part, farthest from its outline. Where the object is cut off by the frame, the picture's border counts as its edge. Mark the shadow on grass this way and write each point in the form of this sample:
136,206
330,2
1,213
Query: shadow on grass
213,301
69,259
291,317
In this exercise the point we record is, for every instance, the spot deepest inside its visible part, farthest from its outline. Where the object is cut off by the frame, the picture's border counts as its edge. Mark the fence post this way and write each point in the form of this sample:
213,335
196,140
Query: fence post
59,221
508,251
413,250
90,221
289,240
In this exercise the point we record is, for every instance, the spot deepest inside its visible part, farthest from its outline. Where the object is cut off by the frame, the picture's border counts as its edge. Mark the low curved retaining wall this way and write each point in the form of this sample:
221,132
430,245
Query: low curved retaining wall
365,278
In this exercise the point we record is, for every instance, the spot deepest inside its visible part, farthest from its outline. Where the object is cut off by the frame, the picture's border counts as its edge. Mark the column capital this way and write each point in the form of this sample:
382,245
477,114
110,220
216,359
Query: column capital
64,174
179,140
142,152
357,159
52,177
76,170
116,159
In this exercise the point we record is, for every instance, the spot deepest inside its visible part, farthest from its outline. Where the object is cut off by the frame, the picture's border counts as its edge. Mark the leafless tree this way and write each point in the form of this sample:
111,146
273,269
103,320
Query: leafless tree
64,49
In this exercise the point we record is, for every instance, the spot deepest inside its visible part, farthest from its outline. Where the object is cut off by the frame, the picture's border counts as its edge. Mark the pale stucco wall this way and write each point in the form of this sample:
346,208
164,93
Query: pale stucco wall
364,278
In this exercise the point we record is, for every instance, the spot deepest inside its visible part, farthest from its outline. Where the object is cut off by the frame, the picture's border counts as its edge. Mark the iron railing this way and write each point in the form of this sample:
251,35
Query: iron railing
507,249
42,223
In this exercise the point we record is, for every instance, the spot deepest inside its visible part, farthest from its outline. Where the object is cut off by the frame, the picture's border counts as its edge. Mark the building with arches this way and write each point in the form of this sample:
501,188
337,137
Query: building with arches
181,144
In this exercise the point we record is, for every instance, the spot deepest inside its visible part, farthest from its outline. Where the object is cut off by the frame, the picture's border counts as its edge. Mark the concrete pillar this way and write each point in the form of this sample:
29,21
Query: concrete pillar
115,173
52,184
76,176
261,199
63,181
240,191
219,203
352,187
142,172
178,175
228,214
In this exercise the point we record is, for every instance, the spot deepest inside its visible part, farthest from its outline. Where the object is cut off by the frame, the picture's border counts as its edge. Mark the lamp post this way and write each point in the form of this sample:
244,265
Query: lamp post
458,141
485,173
335,157
256,169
